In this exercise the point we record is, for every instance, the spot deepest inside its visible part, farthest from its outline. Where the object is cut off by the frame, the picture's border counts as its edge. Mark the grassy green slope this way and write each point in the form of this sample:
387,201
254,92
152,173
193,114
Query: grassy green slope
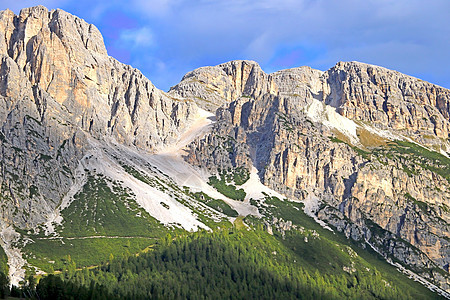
245,264
330,252
103,207
304,261
104,222
103,219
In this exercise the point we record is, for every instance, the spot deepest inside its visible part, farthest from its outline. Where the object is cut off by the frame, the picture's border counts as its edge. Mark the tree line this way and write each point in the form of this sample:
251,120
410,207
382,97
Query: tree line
227,264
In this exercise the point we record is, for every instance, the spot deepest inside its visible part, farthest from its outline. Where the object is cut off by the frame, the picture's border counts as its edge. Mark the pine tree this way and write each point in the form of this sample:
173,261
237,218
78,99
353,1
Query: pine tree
4,285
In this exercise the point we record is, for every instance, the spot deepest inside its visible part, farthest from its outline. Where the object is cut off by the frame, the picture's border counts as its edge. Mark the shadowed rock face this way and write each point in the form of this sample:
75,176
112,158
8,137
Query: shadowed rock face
378,195
58,88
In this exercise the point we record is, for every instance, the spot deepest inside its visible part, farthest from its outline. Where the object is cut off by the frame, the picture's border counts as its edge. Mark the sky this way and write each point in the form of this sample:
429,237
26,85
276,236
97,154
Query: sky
167,38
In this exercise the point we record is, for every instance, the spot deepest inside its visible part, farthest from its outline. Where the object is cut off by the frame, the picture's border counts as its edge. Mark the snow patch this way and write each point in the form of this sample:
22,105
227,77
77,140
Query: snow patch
53,220
312,204
254,188
147,197
196,179
318,111
382,133
170,162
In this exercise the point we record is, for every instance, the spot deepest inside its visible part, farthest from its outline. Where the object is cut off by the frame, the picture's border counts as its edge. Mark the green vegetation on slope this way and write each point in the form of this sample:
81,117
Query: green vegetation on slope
227,180
51,255
423,157
166,185
103,207
3,261
244,264
412,157
225,189
216,204
301,260
324,250
103,219
4,285
238,175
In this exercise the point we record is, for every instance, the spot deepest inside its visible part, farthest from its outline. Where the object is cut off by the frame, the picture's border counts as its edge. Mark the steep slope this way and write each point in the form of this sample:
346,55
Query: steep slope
366,93
90,159
211,87
61,96
60,88
389,99
367,177
241,263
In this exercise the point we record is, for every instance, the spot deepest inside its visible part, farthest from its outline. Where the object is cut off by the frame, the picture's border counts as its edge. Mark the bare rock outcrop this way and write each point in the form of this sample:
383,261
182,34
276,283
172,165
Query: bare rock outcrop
382,193
365,93
389,99
60,93
58,89
211,87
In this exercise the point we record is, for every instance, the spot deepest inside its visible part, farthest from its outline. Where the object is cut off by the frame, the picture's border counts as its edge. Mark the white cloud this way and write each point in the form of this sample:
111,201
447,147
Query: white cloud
140,37
407,35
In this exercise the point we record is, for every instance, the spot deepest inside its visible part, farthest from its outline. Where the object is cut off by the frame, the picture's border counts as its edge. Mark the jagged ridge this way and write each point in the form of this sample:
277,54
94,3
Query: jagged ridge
282,124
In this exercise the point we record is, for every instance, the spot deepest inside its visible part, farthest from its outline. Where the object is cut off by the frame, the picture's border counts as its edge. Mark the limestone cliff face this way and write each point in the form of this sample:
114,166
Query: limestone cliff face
380,195
58,89
365,93
211,87
390,99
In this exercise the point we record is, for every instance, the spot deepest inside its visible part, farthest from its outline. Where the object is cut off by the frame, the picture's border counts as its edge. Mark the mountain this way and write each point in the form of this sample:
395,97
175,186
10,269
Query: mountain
97,163
360,165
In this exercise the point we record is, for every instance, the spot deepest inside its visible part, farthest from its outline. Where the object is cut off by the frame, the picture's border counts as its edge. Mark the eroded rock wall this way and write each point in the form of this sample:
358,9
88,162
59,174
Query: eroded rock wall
380,197
58,89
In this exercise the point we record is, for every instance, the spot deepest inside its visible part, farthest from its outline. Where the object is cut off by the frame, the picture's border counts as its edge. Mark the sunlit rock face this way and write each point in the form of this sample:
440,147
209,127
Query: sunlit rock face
58,89
296,127
390,99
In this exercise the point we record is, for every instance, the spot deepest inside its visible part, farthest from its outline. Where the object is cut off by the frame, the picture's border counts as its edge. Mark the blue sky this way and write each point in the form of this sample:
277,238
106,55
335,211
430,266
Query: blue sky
167,38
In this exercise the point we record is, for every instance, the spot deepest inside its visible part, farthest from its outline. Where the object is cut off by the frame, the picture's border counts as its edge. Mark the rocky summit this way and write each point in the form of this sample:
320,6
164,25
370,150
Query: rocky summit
91,149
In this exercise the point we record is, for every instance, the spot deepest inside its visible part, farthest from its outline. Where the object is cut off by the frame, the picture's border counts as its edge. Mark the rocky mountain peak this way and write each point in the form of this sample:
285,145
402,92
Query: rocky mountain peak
213,86
59,91
362,92
391,100
349,140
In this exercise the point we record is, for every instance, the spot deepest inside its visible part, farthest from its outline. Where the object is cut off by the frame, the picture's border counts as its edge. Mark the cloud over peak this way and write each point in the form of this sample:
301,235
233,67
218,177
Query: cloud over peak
407,35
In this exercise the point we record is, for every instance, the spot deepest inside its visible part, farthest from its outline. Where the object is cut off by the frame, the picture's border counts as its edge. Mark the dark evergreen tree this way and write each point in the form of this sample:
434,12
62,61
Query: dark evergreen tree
4,285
